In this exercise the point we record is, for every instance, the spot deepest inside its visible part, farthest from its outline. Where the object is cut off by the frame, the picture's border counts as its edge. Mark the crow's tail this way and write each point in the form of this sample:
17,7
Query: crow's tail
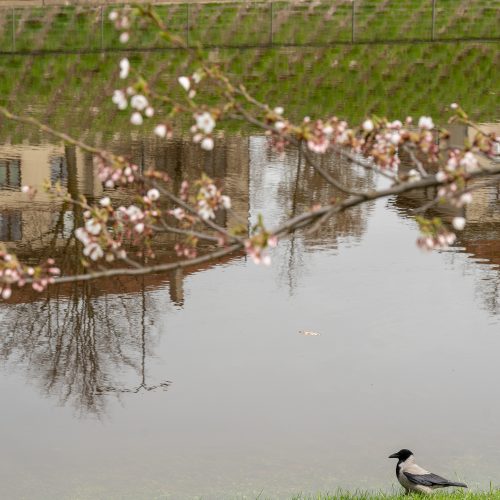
459,485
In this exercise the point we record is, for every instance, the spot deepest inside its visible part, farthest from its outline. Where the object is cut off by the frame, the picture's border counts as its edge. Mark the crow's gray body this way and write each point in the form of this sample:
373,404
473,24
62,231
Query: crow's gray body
414,478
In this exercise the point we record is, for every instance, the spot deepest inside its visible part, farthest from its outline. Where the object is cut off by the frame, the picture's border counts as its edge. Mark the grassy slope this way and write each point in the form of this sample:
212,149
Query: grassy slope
348,80
459,495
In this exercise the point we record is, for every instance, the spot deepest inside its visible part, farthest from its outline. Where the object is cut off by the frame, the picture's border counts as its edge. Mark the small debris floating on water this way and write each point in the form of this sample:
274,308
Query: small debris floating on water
308,333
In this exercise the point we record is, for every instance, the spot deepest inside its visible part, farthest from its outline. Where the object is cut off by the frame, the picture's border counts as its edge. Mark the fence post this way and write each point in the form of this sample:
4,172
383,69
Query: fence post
102,27
13,29
271,15
353,21
433,32
187,24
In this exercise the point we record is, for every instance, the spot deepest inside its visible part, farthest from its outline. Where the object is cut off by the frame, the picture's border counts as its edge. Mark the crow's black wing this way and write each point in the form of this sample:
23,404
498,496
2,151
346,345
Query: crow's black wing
431,480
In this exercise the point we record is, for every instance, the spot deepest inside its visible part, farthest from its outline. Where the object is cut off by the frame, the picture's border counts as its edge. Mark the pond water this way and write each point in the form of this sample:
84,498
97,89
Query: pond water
200,385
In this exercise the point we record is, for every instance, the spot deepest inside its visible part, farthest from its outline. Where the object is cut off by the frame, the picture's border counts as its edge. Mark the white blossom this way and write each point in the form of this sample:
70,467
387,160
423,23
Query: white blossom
122,105
205,211
124,68
279,126
93,250
395,138
225,201
139,228
118,95
113,15
134,213
441,176
328,130
93,227
124,37
185,82
139,102
469,161
450,238
149,112
368,125
82,235
205,122
160,130
153,194
452,163
279,110
105,202
207,144
197,75
426,123
458,223
119,99
136,118
466,198
178,213
414,175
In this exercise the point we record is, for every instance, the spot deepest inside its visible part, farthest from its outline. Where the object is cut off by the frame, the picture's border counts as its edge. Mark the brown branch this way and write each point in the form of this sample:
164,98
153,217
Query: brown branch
147,269
494,180
416,161
296,142
290,226
51,131
305,218
166,228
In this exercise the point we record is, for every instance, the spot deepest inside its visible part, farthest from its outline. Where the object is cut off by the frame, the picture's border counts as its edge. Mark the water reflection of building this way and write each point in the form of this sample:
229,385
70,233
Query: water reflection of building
481,236
485,209
22,220
43,227
93,340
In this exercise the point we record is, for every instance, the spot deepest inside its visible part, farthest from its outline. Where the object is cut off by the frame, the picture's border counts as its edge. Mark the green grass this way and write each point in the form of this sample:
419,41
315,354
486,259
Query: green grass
347,80
360,495
392,80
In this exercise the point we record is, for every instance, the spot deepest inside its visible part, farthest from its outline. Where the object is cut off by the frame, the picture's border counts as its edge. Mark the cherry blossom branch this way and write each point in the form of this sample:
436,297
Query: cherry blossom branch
292,225
304,219
495,179
49,130
108,156
375,145
138,271
415,160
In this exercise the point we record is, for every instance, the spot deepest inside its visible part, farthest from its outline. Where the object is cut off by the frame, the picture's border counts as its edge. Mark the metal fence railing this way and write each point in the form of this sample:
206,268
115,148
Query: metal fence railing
87,27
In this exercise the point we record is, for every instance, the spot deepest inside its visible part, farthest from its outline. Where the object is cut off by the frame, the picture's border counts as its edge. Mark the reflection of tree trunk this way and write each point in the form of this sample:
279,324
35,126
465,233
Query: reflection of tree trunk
293,241
70,153
177,287
177,174
74,346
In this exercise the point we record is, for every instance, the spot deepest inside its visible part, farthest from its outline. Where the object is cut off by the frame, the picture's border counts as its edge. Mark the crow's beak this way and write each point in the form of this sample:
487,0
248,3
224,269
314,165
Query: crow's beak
394,455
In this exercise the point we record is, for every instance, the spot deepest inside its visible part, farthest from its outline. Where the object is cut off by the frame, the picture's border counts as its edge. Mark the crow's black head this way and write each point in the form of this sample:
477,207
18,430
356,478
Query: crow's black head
402,454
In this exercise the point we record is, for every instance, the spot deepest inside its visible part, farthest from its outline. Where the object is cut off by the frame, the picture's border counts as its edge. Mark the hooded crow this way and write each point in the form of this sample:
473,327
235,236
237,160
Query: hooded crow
413,478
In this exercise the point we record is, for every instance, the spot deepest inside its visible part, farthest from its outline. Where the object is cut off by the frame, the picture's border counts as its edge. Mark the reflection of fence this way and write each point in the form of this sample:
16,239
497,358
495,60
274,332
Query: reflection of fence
86,27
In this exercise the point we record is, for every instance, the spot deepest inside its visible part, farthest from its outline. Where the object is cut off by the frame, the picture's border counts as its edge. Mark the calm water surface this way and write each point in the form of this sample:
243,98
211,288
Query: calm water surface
200,385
